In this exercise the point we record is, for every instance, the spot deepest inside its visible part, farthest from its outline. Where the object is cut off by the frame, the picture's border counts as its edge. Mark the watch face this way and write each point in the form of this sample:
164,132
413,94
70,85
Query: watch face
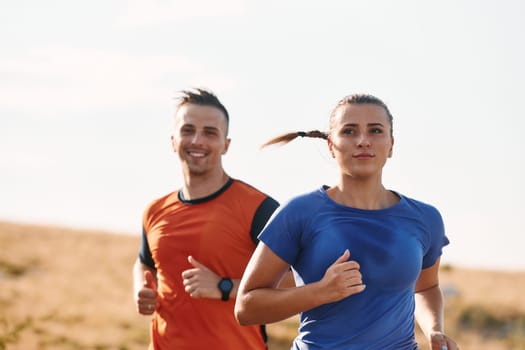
226,285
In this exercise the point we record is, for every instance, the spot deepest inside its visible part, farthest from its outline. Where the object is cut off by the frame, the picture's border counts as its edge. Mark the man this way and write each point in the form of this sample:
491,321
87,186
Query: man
197,241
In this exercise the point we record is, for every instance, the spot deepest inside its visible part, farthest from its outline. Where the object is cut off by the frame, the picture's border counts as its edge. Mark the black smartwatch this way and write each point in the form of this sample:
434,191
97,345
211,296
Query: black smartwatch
225,286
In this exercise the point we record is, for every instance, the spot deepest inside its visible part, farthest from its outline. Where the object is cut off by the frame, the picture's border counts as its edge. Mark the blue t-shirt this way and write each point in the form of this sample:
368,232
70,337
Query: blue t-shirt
391,245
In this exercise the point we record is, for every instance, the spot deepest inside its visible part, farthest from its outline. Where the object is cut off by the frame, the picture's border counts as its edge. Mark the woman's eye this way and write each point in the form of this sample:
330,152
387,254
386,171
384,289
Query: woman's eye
348,131
376,131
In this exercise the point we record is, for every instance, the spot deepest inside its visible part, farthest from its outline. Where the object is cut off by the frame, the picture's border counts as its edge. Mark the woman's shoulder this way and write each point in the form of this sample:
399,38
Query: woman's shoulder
306,201
316,195
423,207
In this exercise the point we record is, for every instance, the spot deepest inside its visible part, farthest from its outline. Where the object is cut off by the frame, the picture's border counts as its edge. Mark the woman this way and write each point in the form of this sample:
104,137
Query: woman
366,259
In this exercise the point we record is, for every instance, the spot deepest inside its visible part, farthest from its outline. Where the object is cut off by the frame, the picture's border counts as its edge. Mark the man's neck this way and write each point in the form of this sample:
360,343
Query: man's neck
202,185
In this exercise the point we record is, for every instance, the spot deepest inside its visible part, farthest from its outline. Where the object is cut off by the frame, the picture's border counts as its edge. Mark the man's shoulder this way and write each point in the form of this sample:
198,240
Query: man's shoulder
249,195
165,200
247,188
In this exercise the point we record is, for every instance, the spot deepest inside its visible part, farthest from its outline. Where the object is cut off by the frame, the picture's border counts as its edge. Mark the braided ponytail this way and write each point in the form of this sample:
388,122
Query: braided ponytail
285,138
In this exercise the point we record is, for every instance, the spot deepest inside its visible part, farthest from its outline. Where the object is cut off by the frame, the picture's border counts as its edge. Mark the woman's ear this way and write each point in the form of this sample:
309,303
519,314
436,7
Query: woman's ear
391,148
330,147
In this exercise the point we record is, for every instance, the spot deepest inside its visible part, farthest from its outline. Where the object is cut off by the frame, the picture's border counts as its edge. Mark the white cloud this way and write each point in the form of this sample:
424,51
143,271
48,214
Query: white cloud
147,12
61,78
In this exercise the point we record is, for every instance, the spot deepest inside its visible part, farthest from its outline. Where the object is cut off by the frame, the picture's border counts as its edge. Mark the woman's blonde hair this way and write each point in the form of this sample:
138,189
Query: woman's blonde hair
347,100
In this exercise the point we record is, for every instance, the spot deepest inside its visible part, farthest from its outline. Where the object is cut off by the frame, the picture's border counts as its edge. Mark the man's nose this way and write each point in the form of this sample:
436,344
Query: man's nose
196,139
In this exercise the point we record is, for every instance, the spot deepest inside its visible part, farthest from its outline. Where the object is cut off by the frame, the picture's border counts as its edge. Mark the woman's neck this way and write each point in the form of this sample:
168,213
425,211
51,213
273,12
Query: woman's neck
369,194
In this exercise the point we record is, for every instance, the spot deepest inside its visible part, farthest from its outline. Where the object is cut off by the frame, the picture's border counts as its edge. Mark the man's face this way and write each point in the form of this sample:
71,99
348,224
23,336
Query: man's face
200,138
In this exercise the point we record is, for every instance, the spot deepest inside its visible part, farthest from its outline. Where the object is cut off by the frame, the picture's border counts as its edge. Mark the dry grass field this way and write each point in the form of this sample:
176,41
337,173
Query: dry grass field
71,289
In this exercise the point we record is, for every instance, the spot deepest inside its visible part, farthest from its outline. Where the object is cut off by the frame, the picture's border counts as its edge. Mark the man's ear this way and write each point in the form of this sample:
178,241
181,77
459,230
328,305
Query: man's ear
173,144
226,145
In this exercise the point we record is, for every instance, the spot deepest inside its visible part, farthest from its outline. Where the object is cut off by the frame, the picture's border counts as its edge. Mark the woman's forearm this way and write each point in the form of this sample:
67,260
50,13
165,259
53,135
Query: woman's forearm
429,310
268,305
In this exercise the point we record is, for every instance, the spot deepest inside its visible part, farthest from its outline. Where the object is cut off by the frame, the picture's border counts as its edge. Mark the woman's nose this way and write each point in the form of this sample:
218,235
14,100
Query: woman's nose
363,140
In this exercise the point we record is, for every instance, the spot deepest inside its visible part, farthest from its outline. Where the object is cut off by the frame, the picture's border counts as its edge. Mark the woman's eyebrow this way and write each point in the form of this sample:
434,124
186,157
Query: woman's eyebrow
369,124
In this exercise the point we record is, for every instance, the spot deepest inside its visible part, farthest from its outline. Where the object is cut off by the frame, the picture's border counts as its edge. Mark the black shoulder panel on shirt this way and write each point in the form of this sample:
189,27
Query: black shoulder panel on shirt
262,214
144,252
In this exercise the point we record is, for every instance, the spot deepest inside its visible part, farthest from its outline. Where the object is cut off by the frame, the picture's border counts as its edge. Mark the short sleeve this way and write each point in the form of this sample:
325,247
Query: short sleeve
283,233
145,252
438,238
261,217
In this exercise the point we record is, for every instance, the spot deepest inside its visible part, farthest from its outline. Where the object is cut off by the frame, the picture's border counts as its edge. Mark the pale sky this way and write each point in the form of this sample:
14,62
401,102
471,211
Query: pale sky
86,104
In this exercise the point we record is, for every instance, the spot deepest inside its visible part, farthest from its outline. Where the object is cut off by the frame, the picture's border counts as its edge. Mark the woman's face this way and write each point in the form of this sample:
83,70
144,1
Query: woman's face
360,139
